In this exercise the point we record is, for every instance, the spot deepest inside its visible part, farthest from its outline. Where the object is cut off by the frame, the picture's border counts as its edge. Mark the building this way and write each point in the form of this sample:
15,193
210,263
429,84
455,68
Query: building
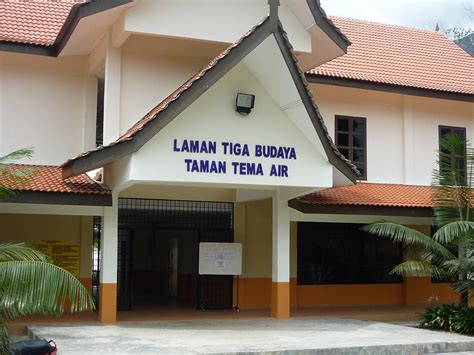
338,126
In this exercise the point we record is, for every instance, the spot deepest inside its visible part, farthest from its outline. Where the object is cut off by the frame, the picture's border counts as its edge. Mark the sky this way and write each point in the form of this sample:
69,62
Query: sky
422,14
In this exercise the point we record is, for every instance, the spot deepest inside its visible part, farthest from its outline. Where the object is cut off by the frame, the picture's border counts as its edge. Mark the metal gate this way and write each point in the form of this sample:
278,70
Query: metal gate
212,220
124,269
215,291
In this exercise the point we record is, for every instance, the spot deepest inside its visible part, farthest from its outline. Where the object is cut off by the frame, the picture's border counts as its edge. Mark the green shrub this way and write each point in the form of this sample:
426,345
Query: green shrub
449,317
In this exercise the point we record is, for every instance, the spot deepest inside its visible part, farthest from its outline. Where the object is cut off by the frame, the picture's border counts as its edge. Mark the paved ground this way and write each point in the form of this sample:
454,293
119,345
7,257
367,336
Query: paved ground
293,336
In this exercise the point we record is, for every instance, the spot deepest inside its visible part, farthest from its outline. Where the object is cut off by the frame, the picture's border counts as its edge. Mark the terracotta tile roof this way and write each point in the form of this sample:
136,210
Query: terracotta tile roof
370,194
33,21
400,56
49,179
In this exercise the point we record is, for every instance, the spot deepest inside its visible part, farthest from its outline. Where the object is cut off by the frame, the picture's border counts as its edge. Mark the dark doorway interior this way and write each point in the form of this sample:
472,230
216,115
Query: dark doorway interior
341,253
158,253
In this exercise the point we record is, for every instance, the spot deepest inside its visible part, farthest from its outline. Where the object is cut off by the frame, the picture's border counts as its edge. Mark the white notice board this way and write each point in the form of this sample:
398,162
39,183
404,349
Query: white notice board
220,258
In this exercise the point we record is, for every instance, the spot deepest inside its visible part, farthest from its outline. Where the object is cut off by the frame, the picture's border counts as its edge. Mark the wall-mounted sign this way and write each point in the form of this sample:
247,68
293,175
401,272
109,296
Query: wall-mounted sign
64,255
220,258
236,151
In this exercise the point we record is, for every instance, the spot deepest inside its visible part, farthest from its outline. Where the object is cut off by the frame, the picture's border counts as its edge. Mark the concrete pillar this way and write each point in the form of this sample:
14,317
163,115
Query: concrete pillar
293,264
239,237
90,113
108,264
85,272
280,258
112,92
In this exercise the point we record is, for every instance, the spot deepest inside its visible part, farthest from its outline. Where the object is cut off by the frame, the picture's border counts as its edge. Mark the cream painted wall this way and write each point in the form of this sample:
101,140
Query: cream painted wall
28,228
383,112
402,131
148,78
70,229
257,241
253,228
199,20
428,114
42,106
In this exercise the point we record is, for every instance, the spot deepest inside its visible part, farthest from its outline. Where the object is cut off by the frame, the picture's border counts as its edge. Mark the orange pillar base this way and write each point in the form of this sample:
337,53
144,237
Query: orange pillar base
87,282
108,303
281,300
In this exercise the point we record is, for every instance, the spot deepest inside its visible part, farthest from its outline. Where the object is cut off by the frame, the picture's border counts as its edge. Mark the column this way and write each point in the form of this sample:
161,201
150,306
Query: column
108,264
112,92
280,258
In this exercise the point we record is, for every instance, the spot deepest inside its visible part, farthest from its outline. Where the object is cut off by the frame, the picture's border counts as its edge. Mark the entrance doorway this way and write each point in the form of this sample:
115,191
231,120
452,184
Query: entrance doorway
158,254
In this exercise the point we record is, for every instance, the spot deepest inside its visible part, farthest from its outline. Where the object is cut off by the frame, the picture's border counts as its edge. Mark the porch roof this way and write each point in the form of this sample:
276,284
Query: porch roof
370,194
44,184
369,199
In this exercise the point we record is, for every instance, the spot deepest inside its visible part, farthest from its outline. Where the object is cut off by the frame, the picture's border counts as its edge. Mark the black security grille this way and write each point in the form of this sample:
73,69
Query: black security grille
173,214
215,291
97,227
212,220
124,268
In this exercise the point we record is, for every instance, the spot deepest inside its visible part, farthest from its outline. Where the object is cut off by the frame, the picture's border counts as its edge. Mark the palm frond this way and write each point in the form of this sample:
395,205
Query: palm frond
465,265
415,268
20,252
463,286
409,236
453,231
6,192
13,178
453,181
16,155
4,338
38,287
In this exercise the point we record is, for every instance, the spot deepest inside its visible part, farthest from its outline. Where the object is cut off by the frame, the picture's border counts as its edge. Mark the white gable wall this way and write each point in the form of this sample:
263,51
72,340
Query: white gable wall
212,117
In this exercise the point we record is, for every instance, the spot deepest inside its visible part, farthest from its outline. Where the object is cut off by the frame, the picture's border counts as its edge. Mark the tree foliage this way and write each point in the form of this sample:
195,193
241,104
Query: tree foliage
448,253
30,283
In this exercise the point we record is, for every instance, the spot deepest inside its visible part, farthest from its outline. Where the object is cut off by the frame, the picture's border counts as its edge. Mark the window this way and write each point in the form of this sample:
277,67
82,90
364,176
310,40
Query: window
453,161
351,140
340,253
99,128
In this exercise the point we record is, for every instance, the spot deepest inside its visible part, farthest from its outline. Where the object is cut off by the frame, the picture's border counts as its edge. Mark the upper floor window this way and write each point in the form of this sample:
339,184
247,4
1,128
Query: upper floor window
99,128
453,160
351,140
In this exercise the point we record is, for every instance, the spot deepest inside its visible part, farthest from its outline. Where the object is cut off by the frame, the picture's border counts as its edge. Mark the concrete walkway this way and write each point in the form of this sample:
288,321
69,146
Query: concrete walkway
293,336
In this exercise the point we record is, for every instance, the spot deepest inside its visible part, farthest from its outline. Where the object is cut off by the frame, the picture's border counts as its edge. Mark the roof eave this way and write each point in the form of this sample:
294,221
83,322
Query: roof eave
60,198
327,26
78,12
366,210
378,86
